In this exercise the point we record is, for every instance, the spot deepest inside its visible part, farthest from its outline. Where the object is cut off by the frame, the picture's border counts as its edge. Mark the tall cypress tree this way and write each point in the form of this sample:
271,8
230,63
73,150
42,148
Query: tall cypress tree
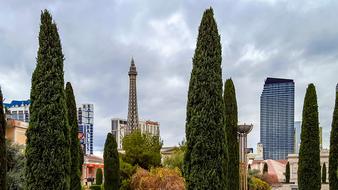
205,161
287,173
99,176
265,168
111,164
81,158
309,158
3,157
231,120
47,150
324,173
75,174
333,159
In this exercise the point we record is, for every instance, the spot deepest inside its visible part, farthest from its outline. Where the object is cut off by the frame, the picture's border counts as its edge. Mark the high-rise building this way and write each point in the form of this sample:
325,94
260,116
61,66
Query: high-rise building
132,121
18,110
297,130
260,150
86,125
119,129
277,118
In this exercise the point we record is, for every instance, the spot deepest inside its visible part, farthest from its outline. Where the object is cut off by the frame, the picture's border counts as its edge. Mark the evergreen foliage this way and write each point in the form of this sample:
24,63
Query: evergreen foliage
75,175
15,166
143,150
111,164
48,140
205,161
324,173
126,173
287,173
81,158
265,168
309,158
95,187
231,121
175,160
3,162
99,176
333,159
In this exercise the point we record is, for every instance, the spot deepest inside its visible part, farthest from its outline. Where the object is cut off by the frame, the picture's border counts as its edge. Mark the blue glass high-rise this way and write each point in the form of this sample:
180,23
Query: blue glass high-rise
277,118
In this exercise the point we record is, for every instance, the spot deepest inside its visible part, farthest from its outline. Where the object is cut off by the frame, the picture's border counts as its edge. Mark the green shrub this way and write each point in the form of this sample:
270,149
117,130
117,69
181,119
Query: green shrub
126,172
99,176
175,160
143,150
258,184
95,187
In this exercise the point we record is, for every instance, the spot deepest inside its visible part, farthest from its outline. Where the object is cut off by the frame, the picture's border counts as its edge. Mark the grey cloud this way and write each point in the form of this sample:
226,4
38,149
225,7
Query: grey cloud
260,38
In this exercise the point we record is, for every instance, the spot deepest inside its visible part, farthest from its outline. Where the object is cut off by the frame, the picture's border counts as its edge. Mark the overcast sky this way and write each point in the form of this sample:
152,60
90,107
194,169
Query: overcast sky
260,38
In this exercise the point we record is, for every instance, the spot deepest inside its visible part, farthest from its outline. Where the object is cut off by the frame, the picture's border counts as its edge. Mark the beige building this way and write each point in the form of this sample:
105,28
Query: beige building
16,131
293,160
119,129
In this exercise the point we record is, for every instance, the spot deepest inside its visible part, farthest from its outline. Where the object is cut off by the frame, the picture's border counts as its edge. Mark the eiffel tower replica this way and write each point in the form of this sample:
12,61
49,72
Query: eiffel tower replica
132,121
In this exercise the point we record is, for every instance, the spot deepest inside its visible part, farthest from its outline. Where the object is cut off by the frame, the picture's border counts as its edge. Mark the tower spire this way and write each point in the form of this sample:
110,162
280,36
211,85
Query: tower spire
132,121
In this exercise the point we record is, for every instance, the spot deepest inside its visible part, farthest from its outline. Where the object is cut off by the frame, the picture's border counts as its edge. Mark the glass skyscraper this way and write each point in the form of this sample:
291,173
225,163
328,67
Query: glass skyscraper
277,118
86,125
298,129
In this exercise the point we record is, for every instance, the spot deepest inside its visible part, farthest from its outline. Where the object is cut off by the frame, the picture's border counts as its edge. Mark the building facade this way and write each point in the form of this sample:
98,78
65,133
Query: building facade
86,127
277,118
16,131
119,128
18,110
293,160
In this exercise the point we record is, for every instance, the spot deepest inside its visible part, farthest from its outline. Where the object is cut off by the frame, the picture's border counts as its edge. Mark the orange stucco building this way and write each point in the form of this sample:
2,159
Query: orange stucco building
16,131
90,165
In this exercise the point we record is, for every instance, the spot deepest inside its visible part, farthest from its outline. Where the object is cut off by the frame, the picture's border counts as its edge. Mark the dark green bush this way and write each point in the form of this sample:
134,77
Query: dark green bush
95,187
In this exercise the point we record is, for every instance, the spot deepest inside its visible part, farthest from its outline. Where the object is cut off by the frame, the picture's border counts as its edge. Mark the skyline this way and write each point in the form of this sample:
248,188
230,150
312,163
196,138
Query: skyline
97,65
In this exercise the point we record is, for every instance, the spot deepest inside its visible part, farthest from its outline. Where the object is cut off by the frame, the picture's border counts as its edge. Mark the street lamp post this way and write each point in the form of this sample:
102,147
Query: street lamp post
243,131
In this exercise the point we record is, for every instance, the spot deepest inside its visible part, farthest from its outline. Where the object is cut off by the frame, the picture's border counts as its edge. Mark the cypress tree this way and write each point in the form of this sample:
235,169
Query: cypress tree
231,120
111,164
205,161
99,176
75,175
324,173
333,159
81,158
47,150
3,154
309,158
265,168
287,173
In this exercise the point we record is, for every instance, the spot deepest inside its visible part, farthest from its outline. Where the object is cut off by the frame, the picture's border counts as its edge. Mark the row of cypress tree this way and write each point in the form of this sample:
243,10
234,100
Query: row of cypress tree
53,149
54,154
211,160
